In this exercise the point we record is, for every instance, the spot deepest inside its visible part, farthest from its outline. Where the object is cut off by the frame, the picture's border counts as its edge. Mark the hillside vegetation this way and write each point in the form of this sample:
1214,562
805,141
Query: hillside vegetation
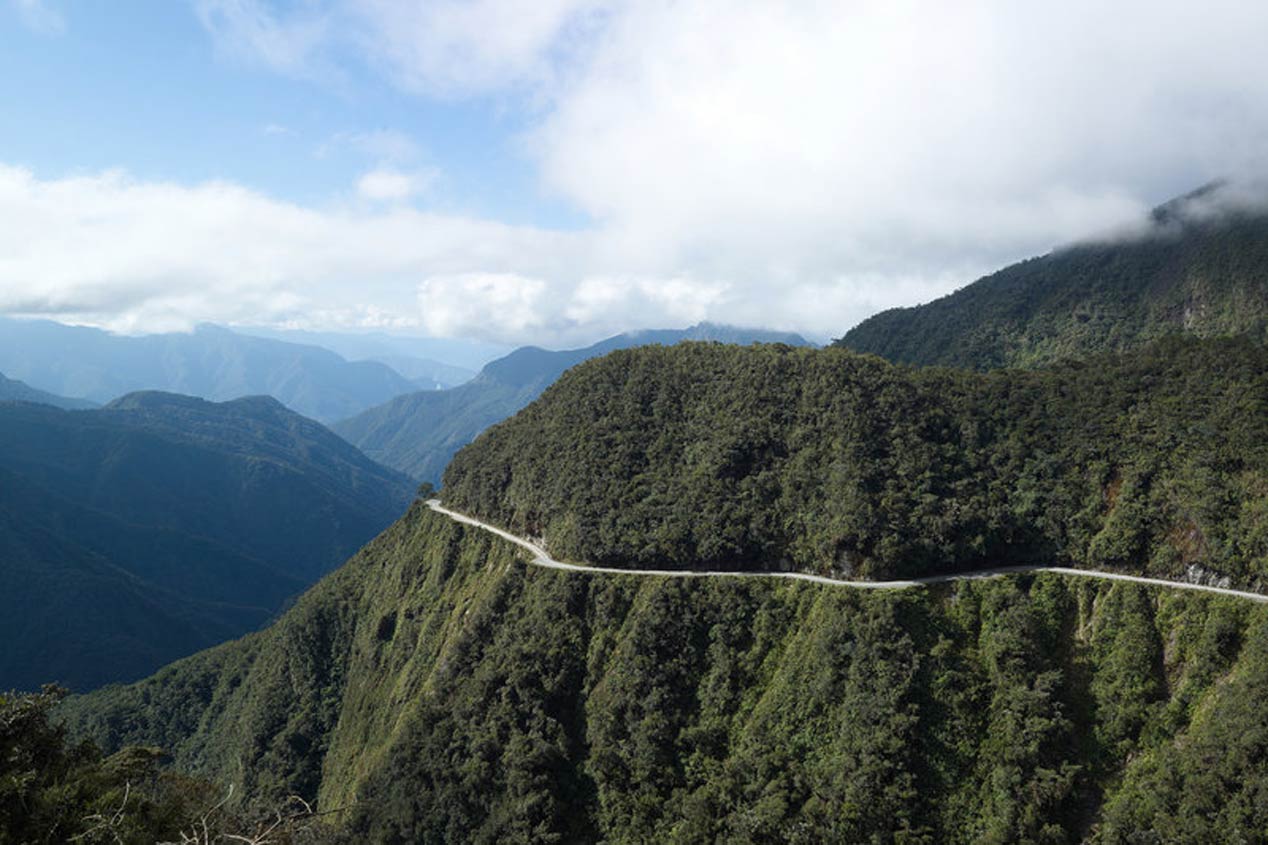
1194,271
160,525
420,432
436,690
832,462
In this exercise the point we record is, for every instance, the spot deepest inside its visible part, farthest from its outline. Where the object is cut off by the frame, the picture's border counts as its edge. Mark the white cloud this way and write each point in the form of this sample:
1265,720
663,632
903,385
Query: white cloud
484,305
385,184
463,47
794,145
797,164
249,30
109,250
385,145
39,16
805,163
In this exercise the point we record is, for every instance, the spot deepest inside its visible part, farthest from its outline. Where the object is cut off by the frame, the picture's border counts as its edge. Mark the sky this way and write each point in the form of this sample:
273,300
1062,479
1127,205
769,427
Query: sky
558,171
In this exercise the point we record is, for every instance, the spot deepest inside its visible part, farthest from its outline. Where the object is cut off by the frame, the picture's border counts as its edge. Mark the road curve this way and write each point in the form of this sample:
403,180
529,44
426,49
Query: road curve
544,560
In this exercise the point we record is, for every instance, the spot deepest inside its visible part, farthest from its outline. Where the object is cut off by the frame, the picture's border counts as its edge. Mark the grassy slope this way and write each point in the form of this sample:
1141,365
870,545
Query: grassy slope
462,697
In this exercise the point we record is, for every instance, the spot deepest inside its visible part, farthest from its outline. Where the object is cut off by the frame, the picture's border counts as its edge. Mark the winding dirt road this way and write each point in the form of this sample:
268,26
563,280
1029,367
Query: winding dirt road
542,559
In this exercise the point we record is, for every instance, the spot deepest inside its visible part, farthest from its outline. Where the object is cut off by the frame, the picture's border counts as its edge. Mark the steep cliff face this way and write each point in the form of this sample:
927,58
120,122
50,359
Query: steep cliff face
441,690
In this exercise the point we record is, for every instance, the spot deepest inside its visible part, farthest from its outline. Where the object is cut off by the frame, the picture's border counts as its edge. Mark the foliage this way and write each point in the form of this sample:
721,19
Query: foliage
832,462
1189,274
445,692
418,433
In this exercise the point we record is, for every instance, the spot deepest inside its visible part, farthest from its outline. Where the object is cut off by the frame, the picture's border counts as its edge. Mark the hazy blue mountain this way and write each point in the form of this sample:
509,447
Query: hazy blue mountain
12,390
466,355
161,524
419,432
210,362
1200,268
425,373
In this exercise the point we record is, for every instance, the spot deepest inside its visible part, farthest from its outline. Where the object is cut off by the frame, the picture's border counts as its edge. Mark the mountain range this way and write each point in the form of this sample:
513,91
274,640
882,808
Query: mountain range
161,524
436,689
419,432
211,362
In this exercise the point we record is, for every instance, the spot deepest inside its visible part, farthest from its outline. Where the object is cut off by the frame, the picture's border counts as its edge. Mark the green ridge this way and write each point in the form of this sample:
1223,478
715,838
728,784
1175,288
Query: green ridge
1192,272
826,461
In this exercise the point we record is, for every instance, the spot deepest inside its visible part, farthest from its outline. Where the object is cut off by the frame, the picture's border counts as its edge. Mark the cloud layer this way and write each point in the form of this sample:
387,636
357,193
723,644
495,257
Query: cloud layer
798,165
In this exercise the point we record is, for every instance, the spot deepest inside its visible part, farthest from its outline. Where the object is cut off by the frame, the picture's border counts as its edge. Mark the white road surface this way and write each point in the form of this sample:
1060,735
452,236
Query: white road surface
542,559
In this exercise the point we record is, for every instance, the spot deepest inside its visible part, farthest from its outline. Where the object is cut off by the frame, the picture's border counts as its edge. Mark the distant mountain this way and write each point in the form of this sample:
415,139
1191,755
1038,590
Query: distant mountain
425,373
1199,268
12,390
210,362
161,524
419,432
465,355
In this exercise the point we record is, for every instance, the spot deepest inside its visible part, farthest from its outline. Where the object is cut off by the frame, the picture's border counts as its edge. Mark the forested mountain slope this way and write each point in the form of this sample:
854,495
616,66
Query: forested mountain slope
210,362
162,524
826,461
1200,268
439,691
420,432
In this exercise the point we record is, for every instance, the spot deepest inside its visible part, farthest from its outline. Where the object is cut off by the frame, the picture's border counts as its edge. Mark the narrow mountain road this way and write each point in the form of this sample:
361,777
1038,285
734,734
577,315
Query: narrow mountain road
544,560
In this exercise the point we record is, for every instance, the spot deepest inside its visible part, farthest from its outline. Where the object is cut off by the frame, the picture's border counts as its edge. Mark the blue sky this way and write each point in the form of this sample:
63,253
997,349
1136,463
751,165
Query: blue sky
148,91
558,171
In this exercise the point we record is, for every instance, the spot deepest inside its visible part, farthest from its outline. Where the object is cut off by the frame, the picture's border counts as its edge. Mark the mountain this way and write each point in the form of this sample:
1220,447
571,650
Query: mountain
162,524
1200,268
419,432
436,689
12,390
210,362
464,355
427,374
832,462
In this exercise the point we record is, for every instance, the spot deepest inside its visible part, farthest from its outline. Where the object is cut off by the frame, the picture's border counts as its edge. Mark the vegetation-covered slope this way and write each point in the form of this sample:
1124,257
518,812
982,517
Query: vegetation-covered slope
139,533
1196,271
211,362
419,433
442,692
832,462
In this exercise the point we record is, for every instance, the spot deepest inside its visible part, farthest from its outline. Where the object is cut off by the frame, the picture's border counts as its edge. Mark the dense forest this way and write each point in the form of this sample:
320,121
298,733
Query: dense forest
420,432
832,462
1196,270
436,690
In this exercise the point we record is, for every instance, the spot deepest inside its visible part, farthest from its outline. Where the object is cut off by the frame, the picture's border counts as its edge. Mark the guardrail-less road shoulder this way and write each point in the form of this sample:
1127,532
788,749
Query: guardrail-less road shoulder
544,560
